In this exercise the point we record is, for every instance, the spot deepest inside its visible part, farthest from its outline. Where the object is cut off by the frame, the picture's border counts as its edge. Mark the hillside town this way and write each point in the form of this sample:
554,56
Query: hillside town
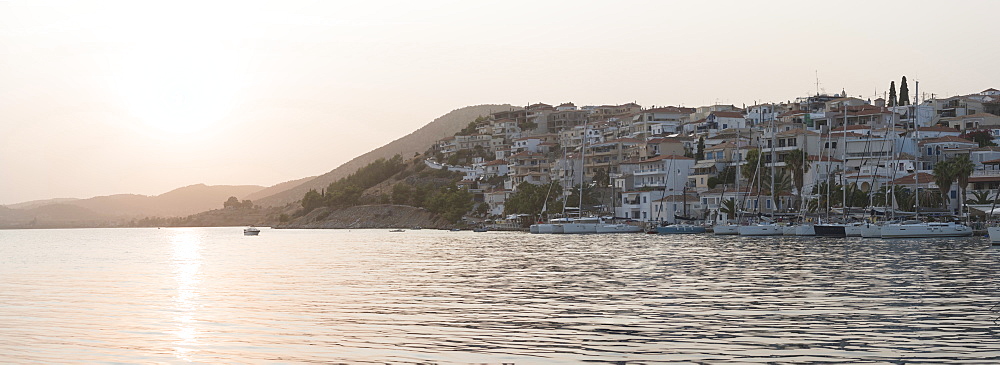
822,154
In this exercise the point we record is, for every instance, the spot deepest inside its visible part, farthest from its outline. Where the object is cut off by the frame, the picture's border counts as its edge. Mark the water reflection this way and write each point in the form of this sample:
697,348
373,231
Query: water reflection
186,261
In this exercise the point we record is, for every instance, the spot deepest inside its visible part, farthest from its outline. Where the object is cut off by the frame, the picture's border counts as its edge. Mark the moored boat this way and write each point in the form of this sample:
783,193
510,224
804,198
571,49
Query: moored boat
805,229
871,230
761,229
680,229
251,231
830,230
618,228
725,229
918,229
994,235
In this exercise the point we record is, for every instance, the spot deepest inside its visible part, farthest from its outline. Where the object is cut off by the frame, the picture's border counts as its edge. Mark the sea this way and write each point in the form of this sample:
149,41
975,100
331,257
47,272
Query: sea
215,296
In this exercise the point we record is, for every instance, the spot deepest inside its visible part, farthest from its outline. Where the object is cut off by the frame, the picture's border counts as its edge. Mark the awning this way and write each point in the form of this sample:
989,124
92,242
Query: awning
704,165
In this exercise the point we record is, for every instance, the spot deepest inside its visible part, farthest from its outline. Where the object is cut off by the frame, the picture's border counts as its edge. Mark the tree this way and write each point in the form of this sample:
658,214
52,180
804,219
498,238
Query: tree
729,207
530,198
798,162
750,168
904,93
601,178
963,168
312,200
981,197
983,137
700,154
892,93
233,202
944,175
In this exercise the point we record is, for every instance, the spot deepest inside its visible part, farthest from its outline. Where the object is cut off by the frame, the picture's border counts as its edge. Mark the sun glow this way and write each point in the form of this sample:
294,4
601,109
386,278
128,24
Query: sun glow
177,91
178,73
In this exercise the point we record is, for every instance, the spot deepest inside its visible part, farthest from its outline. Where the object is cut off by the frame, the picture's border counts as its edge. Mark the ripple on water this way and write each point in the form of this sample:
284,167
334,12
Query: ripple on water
367,296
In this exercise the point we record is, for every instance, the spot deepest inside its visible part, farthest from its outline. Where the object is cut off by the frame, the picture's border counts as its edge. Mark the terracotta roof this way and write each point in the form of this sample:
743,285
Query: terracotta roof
922,178
946,139
728,114
721,146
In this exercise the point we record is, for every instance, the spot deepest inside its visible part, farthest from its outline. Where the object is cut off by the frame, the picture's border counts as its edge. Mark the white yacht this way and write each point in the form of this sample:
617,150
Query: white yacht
582,225
871,230
994,233
618,228
251,231
725,229
761,229
805,229
853,229
918,229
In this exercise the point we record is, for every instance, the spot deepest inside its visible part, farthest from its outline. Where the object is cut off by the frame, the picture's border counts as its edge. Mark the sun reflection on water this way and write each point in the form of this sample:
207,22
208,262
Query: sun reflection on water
186,260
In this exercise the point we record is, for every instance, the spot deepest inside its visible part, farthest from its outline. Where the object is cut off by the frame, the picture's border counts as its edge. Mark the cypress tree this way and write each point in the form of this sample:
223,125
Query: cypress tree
904,93
892,93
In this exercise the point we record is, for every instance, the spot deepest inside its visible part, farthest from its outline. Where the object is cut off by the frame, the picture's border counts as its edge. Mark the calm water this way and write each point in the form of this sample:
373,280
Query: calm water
211,295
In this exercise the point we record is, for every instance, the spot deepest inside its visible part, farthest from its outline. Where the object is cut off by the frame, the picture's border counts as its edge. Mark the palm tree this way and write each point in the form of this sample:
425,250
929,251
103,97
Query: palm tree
798,162
944,176
963,168
749,169
728,207
982,197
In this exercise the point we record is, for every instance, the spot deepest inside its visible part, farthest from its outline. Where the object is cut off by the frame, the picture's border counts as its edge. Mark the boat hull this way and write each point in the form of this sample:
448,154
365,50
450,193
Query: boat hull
761,230
994,233
871,231
925,231
579,228
618,228
726,230
853,230
533,228
788,231
830,230
805,230
680,229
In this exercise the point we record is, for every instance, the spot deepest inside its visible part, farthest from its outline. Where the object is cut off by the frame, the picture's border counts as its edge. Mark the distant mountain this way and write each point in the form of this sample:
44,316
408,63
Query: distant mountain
406,146
178,202
38,203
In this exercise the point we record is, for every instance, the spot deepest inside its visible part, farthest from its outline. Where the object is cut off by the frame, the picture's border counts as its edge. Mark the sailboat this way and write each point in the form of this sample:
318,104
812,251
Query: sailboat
762,228
727,228
920,229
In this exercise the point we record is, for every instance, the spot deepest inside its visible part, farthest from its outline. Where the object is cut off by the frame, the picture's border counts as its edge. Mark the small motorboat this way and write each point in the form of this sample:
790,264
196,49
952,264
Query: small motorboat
251,231
396,230
479,229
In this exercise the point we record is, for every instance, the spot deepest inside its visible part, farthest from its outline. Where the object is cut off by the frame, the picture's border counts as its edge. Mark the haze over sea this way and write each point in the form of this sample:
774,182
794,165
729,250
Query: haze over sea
212,295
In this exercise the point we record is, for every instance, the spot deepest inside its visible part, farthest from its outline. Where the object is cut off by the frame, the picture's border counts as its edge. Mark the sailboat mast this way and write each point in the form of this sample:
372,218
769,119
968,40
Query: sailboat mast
843,172
774,161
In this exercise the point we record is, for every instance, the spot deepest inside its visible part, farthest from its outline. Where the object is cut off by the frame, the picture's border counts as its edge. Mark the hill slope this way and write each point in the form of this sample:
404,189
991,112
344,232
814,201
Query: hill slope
406,146
178,202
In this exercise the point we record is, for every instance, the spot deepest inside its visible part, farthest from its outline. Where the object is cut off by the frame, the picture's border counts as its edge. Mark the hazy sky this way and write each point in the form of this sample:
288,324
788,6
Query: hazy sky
99,98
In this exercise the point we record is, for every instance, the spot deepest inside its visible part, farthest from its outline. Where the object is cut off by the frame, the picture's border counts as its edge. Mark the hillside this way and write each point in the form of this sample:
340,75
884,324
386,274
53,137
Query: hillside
407,146
103,210
277,188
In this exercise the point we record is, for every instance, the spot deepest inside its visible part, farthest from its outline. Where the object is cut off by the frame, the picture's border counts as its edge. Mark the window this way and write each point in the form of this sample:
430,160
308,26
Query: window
644,201
781,142
792,142
930,151
834,144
